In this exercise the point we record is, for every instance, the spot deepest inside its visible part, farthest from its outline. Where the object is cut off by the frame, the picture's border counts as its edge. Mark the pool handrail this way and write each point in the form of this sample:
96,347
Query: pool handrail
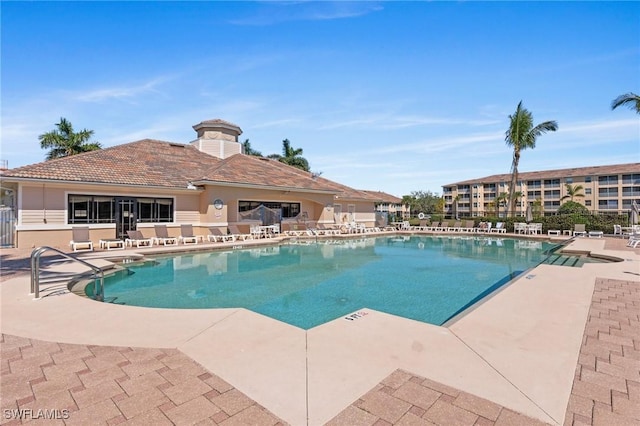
35,271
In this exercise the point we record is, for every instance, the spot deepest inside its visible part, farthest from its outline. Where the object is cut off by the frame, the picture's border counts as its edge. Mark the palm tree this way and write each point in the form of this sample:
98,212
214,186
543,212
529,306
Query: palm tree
572,191
64,142
246,148
522,134
291,156
629,99
502,201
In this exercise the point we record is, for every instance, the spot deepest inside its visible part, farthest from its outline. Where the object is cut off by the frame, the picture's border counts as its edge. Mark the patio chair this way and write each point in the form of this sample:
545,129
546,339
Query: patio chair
469,226
136,237
457,226
216,234
499,228
80,238
186,235
162,236
579,230
237,235
634,240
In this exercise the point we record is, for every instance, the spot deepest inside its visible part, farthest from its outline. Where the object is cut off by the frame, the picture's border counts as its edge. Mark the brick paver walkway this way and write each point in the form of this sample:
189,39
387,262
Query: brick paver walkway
114,385
606,387
88,385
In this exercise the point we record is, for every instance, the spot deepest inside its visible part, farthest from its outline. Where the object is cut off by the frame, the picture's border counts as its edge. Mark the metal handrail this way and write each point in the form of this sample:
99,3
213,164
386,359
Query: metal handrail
35,271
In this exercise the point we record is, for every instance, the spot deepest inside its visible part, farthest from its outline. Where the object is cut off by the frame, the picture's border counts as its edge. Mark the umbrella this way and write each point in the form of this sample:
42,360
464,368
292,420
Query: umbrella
529,214
635,212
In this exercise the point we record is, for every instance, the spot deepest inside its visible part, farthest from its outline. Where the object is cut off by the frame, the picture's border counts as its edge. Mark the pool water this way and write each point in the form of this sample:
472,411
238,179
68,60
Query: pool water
429,279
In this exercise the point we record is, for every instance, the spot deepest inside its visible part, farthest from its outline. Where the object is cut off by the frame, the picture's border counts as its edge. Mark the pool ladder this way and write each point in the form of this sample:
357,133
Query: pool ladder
98,273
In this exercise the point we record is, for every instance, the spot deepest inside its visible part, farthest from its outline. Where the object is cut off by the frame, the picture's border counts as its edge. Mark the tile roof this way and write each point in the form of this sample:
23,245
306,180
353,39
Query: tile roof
613,169
165,164
384,197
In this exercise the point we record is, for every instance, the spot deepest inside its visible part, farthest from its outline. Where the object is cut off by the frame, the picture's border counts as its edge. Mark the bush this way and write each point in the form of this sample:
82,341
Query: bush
571,207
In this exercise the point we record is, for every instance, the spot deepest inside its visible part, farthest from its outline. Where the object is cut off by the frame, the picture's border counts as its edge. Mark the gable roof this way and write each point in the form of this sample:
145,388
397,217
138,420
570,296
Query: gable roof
157,163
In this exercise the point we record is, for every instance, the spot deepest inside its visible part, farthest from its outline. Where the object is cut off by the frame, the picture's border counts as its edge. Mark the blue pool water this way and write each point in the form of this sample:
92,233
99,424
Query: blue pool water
428,279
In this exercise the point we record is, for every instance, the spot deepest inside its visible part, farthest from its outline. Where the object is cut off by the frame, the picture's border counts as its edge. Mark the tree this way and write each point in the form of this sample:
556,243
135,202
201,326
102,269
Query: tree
503,201
63,141
246,148
291,156
629,99
521,135
572,192
571,207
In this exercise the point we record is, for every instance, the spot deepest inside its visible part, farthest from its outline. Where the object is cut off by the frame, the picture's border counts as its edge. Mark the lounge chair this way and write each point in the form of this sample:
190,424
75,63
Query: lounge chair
634,240
323,230
216,234
433,227
499,228
186,235
136,237
457,226
469,226
579,230
162,236
237,235
80,238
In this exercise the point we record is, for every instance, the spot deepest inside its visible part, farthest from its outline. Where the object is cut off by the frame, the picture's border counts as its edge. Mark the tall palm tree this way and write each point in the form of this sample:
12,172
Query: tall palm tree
502,201
63,141
572,192
291,156
521,135
629,99
246,148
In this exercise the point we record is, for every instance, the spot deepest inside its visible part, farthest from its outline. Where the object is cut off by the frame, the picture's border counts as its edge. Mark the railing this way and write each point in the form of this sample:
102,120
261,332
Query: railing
35,271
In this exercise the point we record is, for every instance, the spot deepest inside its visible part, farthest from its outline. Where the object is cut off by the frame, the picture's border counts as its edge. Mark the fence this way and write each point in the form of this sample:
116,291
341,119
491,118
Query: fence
7,226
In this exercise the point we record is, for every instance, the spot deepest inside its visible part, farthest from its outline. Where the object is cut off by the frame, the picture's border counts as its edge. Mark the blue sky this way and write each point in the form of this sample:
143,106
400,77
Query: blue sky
389,96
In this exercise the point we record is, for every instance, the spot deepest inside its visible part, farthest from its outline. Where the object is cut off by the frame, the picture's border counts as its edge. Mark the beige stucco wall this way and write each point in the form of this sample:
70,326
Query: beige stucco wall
42,209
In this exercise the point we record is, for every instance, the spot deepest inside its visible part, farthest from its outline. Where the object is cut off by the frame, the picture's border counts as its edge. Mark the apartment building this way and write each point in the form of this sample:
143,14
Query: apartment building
610,188
387,203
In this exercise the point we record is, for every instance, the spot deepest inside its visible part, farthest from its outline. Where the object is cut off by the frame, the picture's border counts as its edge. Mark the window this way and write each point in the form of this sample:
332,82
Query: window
568,180
607,192
633,179
101,209
554,193
549,205
587,203
534,194
587,179
534,184
552,183
608,205
587,191
608,180
631,191
288,209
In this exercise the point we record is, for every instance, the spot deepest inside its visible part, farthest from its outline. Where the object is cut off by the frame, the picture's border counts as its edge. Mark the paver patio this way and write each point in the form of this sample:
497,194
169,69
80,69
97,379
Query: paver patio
129,385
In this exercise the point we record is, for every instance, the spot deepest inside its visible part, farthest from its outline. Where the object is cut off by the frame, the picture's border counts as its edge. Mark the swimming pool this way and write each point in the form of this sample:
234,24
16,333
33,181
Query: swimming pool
428,279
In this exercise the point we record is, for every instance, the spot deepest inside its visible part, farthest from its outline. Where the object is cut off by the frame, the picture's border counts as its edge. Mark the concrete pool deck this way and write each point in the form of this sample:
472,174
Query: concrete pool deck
518,349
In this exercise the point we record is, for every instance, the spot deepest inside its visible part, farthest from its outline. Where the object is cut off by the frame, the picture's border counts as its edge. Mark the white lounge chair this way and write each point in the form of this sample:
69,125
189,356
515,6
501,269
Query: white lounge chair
499,228
237,235
136,237
162,236
186,235
215,234
579,230
80,238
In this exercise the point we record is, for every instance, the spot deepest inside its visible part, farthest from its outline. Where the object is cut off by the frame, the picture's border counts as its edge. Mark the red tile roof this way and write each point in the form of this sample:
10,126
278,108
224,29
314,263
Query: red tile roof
384,197
172,165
